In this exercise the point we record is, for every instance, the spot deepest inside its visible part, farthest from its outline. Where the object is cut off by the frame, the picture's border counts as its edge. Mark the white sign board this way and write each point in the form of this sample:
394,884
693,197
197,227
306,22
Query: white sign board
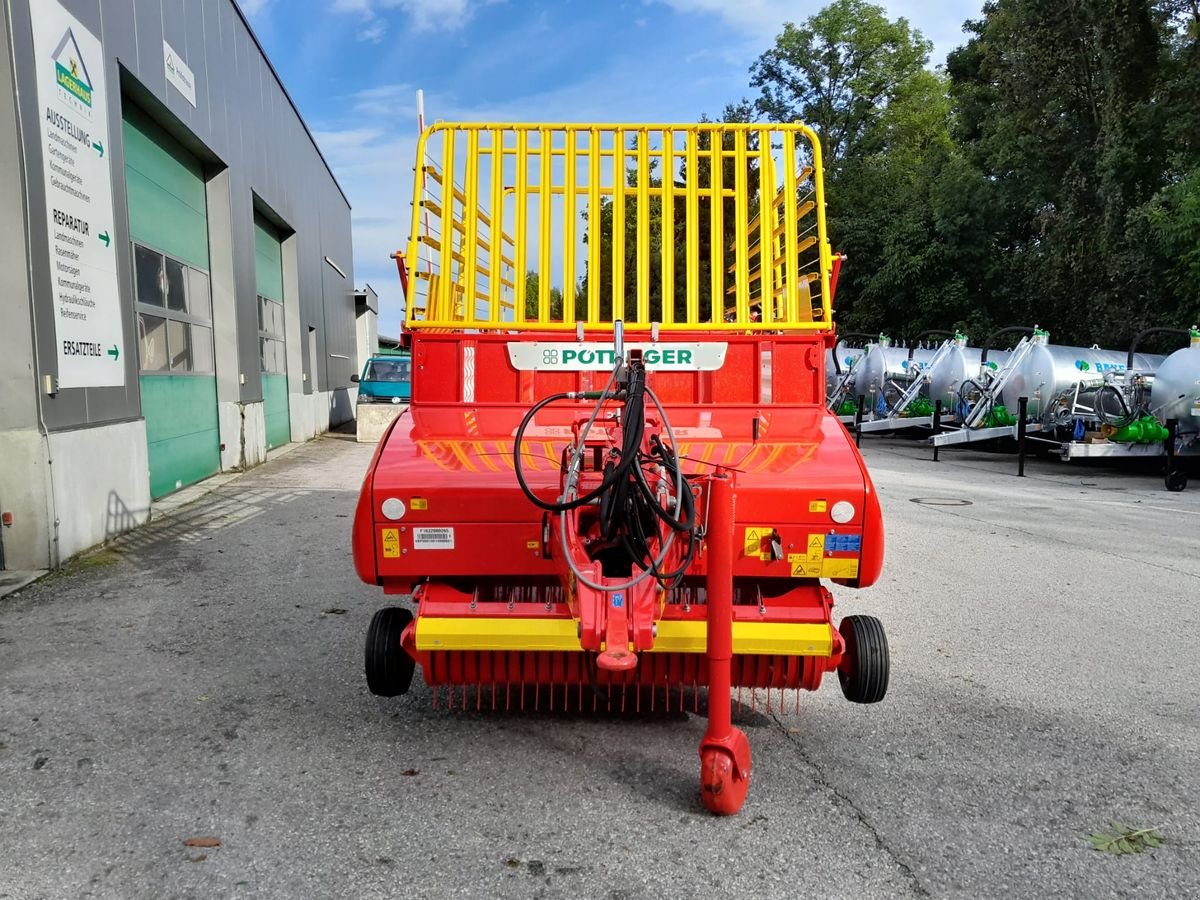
433,538
73,108
573,356
178,73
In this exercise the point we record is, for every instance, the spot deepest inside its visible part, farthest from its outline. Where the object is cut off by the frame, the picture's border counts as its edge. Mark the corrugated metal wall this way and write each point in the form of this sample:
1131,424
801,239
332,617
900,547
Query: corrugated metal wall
243,123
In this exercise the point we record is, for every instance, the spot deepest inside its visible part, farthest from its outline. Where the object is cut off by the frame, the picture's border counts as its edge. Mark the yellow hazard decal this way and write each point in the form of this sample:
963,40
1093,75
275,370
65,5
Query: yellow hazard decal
816,548
533,545
817,506
803,566
418,503
840,568
755,536
391,543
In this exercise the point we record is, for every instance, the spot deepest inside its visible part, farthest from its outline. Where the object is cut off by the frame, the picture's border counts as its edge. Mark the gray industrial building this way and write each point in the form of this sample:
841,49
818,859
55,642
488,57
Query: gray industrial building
176,281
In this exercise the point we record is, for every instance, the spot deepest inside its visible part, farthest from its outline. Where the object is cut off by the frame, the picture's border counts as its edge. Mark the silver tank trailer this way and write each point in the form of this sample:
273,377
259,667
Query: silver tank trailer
961,363
848,358
1050,369
884,364
1176,390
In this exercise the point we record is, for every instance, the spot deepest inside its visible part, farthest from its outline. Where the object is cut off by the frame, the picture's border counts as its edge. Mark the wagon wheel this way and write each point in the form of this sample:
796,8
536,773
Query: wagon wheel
864,669
389,667
1176,480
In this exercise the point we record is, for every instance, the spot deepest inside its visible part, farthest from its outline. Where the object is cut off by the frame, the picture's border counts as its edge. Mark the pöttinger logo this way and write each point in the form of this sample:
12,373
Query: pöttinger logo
69,71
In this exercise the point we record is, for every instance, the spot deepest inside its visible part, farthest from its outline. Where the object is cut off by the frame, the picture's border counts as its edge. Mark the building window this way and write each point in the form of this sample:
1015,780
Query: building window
174,309
272,358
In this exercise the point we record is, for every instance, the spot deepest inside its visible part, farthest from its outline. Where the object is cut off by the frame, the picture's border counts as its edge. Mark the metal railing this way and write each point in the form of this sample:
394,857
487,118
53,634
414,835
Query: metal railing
704,227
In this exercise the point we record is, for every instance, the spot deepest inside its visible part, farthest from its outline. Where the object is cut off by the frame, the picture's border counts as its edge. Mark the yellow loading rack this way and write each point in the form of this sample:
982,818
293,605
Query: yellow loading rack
703,227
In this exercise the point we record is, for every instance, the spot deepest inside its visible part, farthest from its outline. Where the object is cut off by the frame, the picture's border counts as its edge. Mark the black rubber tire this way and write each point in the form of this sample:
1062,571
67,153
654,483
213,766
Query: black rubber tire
1176,480
389,668
864,671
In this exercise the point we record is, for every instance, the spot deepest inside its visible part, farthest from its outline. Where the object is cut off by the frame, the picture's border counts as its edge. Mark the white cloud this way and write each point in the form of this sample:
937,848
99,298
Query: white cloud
374,32
253,7
422,15
764,19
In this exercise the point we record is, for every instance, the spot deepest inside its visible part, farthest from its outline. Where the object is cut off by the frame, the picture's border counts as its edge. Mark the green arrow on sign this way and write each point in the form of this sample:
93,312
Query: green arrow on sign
114,353
99,148
104,237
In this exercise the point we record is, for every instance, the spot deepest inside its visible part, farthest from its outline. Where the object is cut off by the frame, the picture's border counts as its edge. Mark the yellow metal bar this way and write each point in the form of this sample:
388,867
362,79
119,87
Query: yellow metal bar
674,635
593,215
471,238
412,256
643,228
522,237
569,248
443,303
741,202
496,229
544,227
826,255
766,244
667,243
692,239
618,227
791,280
717,227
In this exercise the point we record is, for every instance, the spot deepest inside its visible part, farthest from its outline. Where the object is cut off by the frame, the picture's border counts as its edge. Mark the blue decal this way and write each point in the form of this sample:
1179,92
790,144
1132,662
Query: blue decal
618,600
843,543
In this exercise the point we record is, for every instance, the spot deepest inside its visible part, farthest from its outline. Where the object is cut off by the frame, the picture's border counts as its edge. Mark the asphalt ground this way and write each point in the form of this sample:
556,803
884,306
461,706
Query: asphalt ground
201,680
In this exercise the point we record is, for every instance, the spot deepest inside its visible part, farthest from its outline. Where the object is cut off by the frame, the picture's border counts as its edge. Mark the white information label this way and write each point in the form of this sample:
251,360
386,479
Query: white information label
564,356
433,538
73,109
178,73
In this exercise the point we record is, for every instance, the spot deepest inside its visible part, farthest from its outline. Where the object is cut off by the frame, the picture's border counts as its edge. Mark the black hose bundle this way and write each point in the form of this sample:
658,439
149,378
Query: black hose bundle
629,505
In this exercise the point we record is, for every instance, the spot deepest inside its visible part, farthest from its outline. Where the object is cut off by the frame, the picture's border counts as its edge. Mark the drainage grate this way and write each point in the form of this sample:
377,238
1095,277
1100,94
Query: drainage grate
941,501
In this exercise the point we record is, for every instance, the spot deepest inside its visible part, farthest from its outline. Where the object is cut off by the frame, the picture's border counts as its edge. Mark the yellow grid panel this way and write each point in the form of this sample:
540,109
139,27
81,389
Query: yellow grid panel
702,227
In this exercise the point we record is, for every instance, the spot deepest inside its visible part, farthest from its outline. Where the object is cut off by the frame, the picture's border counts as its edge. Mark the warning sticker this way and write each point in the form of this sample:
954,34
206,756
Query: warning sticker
804,567
419,503
433,538
391,543
816,548
533,545
755,536
841,568
817,506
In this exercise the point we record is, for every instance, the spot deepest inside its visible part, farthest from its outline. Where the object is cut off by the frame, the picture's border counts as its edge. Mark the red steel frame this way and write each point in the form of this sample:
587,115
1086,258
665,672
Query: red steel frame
755,434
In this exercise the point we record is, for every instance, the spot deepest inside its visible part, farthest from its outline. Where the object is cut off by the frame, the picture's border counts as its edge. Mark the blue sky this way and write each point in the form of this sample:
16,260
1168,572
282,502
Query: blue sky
353,68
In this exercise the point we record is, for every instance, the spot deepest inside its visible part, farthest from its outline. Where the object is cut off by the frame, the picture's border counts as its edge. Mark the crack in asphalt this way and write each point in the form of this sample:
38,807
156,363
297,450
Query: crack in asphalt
821,779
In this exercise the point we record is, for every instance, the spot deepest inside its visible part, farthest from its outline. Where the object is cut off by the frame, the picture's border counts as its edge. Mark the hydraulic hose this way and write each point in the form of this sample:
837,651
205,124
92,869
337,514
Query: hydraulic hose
1145,333
987,344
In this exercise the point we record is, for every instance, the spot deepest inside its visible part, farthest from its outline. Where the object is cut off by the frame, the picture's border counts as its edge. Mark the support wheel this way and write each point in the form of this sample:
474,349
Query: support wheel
864,669
1176,480
389,668
722,788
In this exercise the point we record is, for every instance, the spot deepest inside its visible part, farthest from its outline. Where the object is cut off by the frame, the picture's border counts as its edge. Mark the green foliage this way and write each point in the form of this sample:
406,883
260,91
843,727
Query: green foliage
1050,174
839,71
533,293
1123,839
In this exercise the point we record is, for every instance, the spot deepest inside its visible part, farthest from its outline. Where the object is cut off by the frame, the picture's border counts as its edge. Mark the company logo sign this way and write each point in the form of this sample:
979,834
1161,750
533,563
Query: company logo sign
69,71
1084,366
562,356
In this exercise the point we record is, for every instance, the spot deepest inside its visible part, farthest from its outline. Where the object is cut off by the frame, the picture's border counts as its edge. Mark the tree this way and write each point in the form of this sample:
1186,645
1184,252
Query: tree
532,293
838,72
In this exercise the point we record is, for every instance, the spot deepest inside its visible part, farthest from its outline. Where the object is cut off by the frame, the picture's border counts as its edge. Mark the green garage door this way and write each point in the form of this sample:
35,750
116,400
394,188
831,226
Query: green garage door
268,275
168,223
